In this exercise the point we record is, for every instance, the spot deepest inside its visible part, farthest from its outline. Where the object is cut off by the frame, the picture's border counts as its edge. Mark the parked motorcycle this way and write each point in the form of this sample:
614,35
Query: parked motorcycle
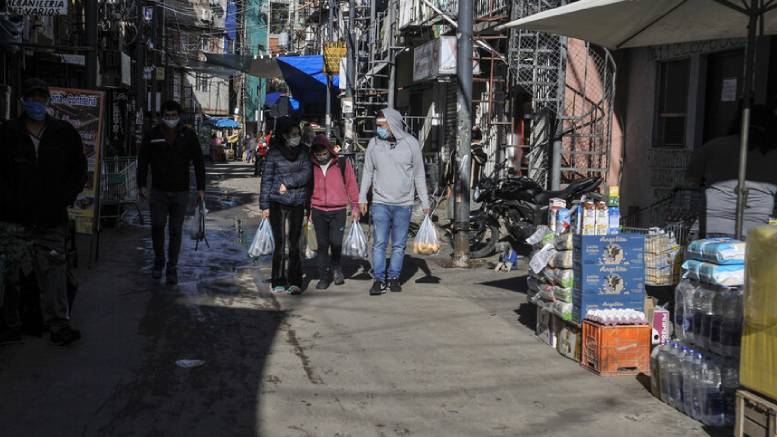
518,202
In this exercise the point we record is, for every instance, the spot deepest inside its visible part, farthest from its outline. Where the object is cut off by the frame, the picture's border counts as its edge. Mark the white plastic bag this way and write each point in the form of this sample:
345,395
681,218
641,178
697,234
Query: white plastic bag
197,226
264,243
355,244
426,241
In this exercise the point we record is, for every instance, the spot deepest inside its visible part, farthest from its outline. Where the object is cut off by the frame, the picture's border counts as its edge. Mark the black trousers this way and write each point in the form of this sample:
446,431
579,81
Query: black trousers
286,223
166,204
330,227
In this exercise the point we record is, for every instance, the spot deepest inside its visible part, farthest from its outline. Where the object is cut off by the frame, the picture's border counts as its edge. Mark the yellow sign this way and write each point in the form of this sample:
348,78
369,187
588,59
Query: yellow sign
333,52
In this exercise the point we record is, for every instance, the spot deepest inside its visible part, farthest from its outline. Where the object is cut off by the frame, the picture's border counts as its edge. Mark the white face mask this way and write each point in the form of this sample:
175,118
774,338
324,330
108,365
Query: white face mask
293,141
171,122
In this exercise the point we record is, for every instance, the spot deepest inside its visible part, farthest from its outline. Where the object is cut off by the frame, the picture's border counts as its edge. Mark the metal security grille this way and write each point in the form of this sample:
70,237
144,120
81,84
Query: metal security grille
572,85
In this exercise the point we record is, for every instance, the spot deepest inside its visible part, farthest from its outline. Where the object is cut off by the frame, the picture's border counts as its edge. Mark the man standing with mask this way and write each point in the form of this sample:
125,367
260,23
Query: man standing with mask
394,168
170,149
42,170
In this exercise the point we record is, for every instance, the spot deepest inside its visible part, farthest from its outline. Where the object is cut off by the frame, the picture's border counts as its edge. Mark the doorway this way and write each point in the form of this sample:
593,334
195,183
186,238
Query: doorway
724,85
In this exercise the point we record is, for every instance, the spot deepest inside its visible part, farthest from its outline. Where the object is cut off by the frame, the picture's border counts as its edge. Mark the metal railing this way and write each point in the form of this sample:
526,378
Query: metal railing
119,186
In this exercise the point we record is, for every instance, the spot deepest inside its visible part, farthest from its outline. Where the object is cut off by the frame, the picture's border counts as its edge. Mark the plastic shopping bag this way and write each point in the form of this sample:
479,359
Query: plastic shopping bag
426,241
197,227
263,243
310,236
355,244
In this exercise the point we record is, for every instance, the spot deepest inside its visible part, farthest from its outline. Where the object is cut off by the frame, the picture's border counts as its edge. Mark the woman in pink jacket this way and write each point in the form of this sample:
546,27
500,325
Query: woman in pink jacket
334,191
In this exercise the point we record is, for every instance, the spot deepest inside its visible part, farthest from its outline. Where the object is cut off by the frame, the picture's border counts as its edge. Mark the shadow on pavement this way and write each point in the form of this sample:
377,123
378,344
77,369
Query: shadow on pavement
516,284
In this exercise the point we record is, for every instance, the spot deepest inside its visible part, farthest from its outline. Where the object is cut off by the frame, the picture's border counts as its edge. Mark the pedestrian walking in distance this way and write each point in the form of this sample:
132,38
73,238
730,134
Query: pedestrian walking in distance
283,195
42,171
170,149
394,170
334,191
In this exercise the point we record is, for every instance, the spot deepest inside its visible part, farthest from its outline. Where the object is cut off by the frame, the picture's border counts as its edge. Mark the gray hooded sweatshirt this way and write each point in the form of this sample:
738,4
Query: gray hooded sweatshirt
394,169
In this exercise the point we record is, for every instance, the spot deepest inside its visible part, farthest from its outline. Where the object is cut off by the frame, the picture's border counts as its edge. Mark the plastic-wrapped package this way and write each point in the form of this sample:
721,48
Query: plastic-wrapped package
714,274
563,309
759,339
562,294
723,251
563,259
546,292
565,241
564,278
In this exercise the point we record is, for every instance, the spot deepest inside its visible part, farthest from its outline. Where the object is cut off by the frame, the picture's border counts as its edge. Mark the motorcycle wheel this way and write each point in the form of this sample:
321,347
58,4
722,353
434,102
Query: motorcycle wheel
483,239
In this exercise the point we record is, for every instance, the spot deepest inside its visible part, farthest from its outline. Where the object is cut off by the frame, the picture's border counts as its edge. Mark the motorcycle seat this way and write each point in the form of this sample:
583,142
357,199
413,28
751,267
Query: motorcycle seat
578,186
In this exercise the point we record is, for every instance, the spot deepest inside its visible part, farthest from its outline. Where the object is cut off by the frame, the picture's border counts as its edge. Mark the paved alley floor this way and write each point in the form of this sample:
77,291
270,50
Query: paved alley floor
454,354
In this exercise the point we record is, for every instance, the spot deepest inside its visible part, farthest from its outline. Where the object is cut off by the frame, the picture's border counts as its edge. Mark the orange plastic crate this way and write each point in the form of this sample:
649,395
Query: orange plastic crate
616,350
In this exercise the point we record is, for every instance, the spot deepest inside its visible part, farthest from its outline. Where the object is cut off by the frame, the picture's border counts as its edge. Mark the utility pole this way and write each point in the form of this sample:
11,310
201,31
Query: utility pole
330,36
91,42
140,66
464,103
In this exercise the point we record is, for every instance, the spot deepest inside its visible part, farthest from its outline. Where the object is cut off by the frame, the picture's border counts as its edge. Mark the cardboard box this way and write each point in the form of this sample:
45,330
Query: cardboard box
570,342
547,326
609,281
661,323
612,250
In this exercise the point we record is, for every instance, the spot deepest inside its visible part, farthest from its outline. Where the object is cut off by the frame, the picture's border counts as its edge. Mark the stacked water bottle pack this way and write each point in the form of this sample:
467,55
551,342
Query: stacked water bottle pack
700,384
699,373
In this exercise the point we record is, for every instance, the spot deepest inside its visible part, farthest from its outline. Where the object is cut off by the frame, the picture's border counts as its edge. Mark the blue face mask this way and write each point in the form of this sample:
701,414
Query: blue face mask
383,133
34,110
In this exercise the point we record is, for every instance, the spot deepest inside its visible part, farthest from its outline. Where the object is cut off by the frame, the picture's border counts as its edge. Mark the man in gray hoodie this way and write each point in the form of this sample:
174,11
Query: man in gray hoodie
394,168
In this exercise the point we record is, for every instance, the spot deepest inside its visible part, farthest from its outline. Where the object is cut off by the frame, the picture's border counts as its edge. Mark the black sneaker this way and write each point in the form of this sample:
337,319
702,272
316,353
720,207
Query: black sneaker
378,288
171,277
11,336
394,285
338,276
65,336
322,285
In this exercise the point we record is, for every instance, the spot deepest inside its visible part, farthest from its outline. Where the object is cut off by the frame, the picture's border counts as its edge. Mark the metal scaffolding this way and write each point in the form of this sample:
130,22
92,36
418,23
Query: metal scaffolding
572,87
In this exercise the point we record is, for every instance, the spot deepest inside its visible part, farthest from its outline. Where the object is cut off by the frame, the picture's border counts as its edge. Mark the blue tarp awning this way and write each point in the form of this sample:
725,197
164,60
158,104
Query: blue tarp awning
306,80
272,98
224,123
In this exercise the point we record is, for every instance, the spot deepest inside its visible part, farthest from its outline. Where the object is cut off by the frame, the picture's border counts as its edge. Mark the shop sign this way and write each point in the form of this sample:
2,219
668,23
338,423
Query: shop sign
437,58
37,7
84,110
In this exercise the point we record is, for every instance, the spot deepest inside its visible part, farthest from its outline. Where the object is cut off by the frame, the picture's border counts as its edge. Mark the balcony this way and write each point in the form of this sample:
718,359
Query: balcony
419,13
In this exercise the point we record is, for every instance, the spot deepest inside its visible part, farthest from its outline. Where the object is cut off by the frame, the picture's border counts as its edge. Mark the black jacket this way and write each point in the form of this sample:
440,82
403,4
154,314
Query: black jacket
170,163
36,192
290,167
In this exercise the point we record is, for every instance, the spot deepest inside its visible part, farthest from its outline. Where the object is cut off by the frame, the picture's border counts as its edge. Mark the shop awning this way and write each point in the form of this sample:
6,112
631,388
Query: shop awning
224,123
265,67
636,23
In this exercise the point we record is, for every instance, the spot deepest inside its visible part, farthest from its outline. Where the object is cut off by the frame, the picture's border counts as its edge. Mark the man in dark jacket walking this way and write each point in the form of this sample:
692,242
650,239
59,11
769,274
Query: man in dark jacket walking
42,171
169,149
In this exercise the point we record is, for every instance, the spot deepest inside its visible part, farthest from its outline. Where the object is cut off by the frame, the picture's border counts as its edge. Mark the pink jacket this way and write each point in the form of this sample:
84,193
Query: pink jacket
330,191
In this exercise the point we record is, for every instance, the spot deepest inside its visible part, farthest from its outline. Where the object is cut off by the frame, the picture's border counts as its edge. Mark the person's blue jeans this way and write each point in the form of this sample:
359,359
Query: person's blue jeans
393,221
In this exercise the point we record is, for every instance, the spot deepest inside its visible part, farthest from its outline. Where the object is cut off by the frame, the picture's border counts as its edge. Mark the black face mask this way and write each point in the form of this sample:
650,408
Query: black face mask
323,161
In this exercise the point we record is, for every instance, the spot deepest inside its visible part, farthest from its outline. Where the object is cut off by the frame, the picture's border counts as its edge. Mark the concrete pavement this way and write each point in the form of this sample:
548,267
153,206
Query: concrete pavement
452,355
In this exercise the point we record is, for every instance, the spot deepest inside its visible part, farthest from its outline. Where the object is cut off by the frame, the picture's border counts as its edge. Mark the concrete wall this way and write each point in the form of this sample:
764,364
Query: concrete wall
649,173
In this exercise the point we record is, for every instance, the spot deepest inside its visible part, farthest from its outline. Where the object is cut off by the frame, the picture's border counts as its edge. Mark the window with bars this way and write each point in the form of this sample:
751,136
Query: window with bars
672,104
201,82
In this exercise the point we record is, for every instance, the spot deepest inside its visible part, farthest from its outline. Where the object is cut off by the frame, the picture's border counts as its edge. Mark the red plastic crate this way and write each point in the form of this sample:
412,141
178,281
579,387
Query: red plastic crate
616,350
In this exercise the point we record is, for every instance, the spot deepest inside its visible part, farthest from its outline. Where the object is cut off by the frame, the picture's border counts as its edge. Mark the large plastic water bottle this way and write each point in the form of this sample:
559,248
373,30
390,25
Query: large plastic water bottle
693,378
679,308
669,366
693,315
706,316
731,324
677,378
657,360
687,371
711,393
719,302
730,382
